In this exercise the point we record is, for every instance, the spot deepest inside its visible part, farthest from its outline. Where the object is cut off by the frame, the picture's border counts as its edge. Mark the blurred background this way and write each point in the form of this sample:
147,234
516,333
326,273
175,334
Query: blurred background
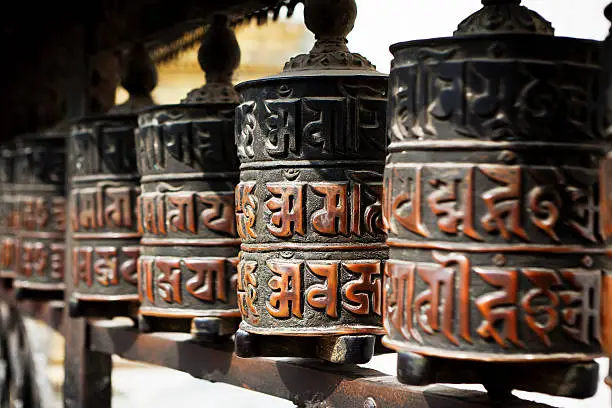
264,52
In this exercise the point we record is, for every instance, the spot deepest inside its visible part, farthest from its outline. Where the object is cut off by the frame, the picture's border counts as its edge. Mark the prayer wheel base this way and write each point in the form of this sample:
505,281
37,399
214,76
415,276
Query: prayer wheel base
203,329
563,379
98,308
38,295
358,349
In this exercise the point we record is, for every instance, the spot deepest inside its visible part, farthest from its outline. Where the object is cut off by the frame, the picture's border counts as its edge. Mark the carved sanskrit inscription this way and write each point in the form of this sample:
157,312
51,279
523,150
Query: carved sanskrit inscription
39,214
104,207
426,301
41,259
180,282
294,209
104,265
297,127
482,203
327,287
175,211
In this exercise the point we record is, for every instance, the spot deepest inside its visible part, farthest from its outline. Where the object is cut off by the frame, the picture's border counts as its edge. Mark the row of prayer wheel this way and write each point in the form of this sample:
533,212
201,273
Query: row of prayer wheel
459,207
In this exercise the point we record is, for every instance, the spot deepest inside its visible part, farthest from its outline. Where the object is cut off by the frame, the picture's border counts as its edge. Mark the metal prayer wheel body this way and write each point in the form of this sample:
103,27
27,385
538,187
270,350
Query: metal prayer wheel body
494,199
39,213
312,146
189,247
105,239
8,255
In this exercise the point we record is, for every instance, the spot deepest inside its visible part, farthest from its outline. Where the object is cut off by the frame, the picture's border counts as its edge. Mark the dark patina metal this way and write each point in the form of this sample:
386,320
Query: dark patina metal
104,190
8,255
189,168
494,205
39,213
312,146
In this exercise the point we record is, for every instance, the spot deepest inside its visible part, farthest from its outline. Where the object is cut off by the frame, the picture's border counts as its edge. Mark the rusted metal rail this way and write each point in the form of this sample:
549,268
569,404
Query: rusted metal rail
304,382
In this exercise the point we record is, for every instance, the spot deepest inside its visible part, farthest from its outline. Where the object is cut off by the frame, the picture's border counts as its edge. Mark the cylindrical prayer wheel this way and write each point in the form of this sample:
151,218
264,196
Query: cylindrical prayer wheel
312,146
105,186
493,206
189,168
39,213
8,254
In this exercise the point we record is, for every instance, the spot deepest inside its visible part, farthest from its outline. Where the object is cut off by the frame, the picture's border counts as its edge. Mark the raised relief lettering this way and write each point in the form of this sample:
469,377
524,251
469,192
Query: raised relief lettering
581,309
407,206
286,284
105,267
208,282
504,202
325,119
280,126
58,212
246,210
57,261
499,308
583,209
81,264
324,295
146,273
247,288
287,208
333,218
219,215
128,268
399,287
452,203
364,295
169,280
34,260
118,213
182,217
246,122
8,253
541,302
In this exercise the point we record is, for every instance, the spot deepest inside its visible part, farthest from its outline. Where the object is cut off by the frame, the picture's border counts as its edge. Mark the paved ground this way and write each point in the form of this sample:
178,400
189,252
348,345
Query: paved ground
140,385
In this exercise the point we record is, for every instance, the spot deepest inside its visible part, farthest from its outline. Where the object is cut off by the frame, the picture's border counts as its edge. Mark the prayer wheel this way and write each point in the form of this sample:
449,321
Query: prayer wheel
312,146
7,236
105,186
606,191
493,207
39,213
189,168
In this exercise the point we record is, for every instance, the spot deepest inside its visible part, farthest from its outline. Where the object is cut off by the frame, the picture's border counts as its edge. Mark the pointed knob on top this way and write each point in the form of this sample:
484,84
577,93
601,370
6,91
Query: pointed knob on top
219,57
139,78
331,21
504,17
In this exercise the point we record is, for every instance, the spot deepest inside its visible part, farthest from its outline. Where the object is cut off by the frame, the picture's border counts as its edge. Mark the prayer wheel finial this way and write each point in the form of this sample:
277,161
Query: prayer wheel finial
331,22
139,78
504,17
219,57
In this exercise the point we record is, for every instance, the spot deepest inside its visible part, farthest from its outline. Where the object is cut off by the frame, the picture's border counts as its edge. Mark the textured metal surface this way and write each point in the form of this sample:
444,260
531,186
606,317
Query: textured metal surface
312,146
312,149
493,199
189,253
105,187
39,210
307,384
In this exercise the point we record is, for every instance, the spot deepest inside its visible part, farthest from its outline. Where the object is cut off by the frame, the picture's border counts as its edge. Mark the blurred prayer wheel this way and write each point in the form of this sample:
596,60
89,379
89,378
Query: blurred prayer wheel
104,191
39,213
312,145
7,233
189,168
492,207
